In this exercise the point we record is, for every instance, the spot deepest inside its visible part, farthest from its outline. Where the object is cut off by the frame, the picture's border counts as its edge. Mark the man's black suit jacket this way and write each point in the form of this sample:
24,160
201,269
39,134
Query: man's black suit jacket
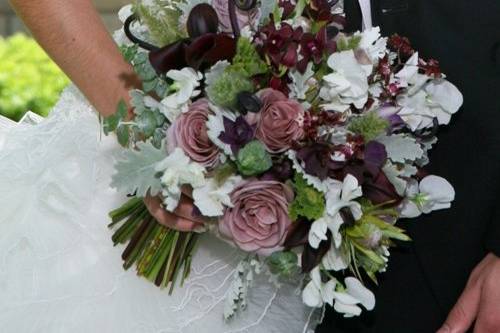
426,277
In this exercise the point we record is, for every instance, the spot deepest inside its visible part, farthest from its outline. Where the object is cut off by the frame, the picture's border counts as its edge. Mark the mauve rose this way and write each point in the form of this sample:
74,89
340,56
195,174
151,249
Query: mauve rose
258,221
189,132
280,122
244,18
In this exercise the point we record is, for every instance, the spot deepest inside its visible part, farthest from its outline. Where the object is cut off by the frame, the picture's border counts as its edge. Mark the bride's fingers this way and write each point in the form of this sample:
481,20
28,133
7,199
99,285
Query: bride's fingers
185,210
182,219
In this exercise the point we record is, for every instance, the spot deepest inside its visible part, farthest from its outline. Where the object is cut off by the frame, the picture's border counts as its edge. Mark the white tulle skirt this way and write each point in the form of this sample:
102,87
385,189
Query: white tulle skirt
59,271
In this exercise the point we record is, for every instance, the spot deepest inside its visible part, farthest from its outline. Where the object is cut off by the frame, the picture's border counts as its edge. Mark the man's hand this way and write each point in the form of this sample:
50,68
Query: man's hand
480,301
181,219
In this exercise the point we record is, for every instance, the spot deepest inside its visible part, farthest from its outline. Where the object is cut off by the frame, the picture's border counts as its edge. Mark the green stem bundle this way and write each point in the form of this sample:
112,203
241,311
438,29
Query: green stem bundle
159,253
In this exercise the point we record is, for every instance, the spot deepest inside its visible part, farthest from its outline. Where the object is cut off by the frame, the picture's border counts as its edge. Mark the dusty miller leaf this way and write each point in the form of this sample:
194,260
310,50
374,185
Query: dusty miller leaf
401,148
135,170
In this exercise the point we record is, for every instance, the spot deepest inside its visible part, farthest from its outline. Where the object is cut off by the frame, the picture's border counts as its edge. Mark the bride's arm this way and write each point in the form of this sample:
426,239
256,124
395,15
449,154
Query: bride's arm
73,34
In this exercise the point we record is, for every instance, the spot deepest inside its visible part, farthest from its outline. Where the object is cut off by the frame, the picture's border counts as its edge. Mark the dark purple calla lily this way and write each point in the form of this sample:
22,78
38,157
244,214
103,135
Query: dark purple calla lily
202,51
379,190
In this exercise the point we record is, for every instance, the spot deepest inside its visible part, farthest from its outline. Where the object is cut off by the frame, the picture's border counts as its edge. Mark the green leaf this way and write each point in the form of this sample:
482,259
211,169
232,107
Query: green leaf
224,171
135,170
112,122
123,135
129,52
146,122
348,43
308,202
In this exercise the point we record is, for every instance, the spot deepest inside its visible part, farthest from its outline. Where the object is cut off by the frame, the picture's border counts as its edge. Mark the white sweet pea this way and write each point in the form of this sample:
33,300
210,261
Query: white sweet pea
338,195
334,260
348,84
341,195
212,197
344,300
178,170
316,293
426,100
355,293
372,42
433,193
444,99
185,83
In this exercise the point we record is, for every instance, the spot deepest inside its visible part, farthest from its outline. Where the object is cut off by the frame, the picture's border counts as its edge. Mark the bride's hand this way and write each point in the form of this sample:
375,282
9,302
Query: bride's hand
181,219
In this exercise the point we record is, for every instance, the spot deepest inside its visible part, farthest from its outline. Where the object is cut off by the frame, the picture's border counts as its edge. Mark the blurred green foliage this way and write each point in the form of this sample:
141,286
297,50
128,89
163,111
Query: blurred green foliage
29,80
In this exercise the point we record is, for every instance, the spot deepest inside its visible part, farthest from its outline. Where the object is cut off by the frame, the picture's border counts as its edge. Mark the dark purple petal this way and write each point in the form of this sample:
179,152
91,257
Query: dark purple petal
280,172
375,157
297,234
209,49
172,56
379,190
237,133
312,257
316,159
202,20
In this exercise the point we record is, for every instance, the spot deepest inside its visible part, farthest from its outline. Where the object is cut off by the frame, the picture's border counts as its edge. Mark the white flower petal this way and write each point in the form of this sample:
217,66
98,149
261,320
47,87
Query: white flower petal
347,310
328,291
437,189
317,234
356,289
334,260
408,209
445,94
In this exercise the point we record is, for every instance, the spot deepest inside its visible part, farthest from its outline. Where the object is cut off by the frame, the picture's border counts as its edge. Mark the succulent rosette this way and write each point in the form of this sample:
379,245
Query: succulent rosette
299,144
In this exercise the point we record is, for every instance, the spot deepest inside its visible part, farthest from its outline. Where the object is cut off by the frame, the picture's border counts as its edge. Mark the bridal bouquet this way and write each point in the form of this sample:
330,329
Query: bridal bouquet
300,145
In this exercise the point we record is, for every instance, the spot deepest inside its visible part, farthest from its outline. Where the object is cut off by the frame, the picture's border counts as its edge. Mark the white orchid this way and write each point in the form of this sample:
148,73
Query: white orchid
338,195
316,293
178,170
433,193
348,84
355,294
185,83
372,42
212,197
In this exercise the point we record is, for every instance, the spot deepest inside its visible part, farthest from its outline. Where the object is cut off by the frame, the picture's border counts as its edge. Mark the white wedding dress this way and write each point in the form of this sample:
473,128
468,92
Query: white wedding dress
59,271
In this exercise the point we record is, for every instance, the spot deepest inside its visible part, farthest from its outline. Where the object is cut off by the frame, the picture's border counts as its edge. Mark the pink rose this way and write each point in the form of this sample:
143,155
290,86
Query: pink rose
244,18
189,132
259,220
280,122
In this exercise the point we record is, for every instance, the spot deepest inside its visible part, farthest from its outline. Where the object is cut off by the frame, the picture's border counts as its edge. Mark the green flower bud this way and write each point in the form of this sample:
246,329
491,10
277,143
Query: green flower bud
225,89
285,264
253,159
